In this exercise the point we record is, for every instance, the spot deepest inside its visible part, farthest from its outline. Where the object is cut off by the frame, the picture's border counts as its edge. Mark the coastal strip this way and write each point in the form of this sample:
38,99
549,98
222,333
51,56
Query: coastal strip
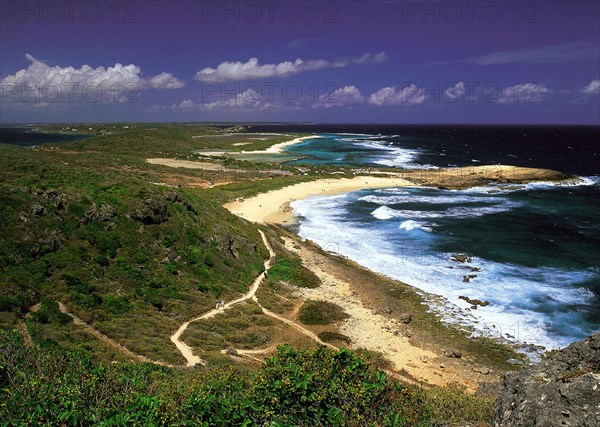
274,206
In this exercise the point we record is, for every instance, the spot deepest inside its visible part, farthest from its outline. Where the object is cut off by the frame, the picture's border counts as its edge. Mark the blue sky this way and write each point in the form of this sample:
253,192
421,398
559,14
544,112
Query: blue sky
322,61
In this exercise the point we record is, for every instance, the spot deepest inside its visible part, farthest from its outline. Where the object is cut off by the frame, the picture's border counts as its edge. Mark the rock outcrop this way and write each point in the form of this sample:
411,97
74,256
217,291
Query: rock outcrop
151,211
562,390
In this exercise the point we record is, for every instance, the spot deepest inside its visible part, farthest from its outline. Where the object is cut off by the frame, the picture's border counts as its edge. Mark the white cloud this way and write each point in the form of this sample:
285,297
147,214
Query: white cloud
410,95
188,103
347,95
165,81
252,69
456,92
248,99
593,88
369,58
565,52
67,84
524,93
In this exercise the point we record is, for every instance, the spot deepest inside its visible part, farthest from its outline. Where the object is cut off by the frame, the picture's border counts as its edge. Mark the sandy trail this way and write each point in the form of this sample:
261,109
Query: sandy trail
295,325
100,336
185,350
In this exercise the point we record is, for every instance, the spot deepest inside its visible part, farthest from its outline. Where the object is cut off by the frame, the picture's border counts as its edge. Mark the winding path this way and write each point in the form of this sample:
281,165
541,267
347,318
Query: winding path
184,349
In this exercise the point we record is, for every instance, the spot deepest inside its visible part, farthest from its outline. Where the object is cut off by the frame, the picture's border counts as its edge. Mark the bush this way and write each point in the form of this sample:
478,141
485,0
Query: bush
452,404
307,387
292,271
330,336
320,313
117,304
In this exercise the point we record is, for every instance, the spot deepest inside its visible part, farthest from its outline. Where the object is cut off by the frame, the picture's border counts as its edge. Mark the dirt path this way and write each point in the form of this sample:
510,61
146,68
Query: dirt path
92,331
184,349
295,325
108,341
22,327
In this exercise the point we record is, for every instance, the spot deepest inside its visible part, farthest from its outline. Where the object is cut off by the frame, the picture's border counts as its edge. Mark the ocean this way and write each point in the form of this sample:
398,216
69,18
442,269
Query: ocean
30,137
532,251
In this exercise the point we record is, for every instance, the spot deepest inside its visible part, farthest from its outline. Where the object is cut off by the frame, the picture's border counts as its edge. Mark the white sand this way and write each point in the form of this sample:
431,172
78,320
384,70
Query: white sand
279,148
273,207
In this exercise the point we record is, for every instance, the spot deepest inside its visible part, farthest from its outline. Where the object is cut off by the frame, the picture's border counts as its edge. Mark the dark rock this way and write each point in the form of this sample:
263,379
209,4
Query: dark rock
456,354
477,269
462,258
469,277
563,389
406,318
38,209
231,351
151,211
174,197
103,213
51,242
474,302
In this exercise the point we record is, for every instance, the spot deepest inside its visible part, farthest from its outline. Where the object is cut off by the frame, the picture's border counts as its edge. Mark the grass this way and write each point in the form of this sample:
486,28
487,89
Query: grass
289,269
452,404
134,282
244,326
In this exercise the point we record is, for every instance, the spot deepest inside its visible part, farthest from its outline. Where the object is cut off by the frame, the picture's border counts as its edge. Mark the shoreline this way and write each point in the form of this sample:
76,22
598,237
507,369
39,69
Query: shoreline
273,206
383,335
279,148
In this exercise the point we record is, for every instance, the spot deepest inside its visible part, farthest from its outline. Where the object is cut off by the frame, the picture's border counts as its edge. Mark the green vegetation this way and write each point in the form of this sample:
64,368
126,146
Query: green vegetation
320,313
85,225
290,269
244,326
133,250
451,404
312,387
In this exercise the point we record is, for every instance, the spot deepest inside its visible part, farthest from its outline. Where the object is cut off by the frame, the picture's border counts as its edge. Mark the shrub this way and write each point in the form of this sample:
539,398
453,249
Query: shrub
320,313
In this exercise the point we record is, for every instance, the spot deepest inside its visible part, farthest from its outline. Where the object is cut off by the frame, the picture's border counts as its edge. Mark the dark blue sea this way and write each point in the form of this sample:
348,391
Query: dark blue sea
30,137
534,249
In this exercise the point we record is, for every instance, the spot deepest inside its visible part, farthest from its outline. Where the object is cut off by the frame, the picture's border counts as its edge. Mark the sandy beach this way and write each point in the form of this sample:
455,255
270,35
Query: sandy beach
279,148
273,207
273,149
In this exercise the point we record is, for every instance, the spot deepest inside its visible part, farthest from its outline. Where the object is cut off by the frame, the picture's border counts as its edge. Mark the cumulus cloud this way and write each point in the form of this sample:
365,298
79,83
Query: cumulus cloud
347,95
409,95
68,83
593,88
249,99
523,93
456,92
252,69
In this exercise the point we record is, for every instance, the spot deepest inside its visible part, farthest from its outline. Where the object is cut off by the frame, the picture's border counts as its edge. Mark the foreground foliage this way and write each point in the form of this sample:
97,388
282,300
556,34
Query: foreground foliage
49,386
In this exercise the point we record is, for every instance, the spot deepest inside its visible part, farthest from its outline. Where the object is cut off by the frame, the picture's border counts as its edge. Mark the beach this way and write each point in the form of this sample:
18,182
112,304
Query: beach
273,206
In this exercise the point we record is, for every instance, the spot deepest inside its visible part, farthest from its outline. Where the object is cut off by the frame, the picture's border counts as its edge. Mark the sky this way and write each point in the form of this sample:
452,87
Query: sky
345,61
